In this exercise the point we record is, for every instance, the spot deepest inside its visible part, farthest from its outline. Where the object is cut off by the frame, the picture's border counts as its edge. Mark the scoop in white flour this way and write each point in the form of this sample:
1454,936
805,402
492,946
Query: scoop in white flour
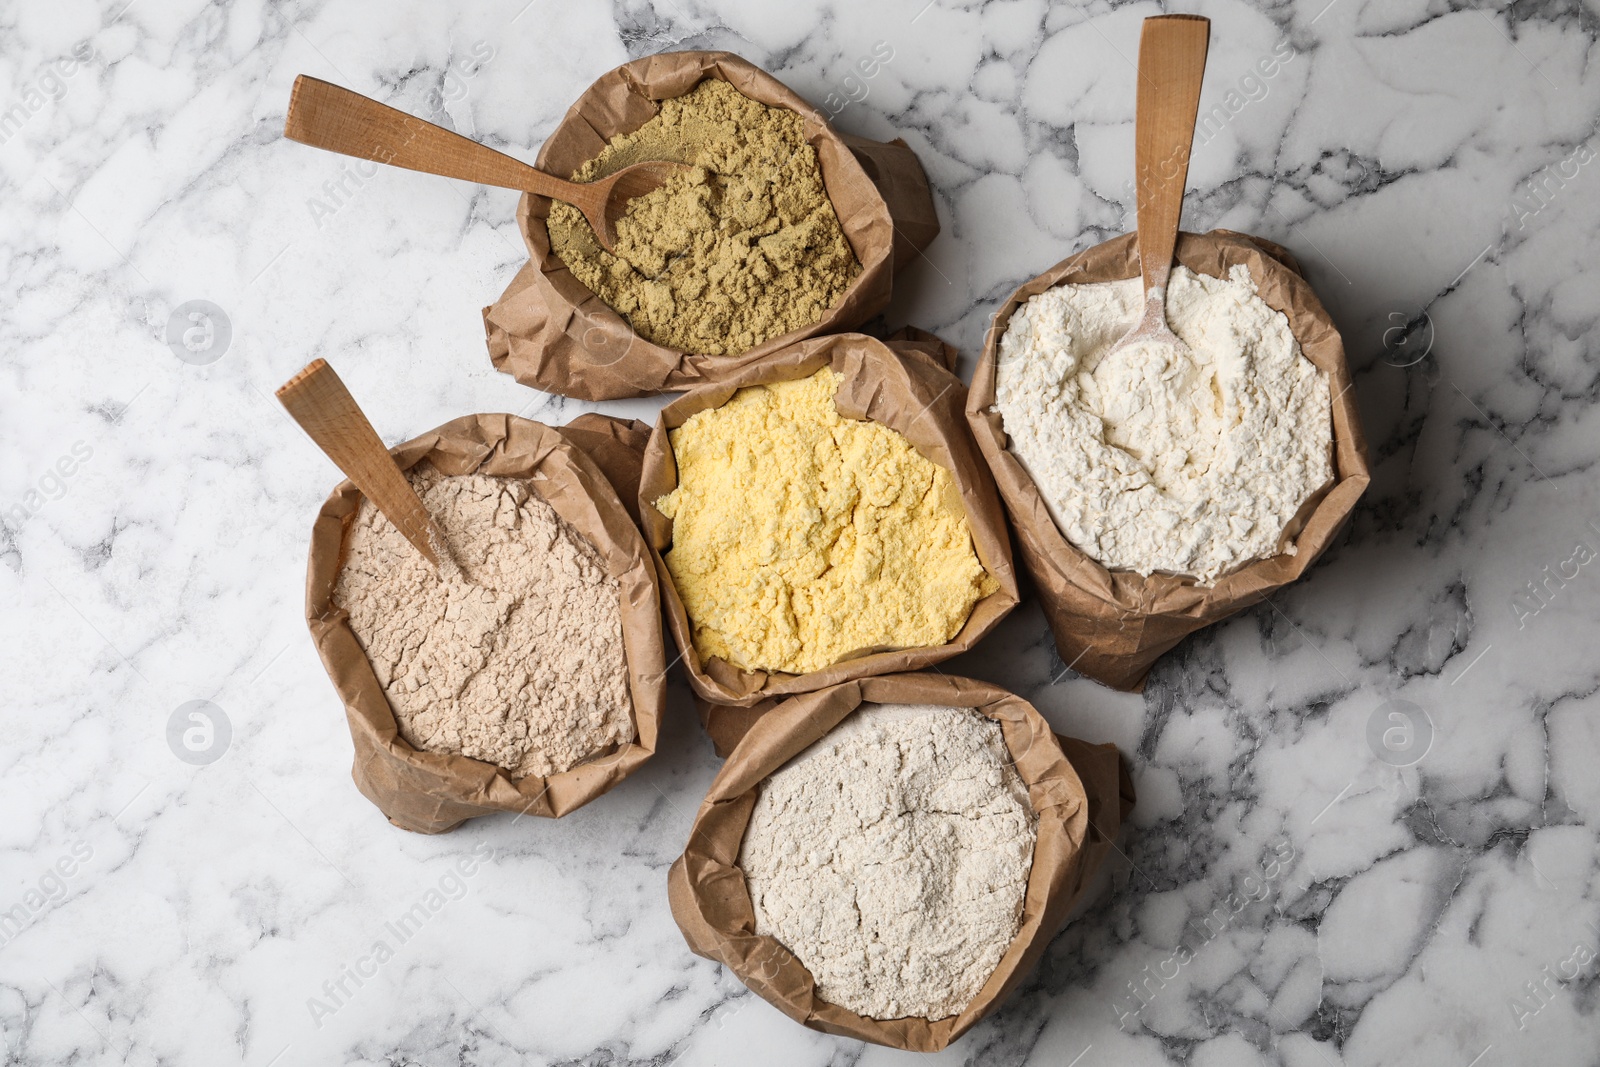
892,858
1156,461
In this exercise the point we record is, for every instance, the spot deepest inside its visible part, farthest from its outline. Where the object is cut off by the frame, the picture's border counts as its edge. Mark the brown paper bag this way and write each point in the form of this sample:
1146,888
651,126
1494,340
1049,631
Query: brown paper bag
914,395
431,792
726,724
549,331
1112,625
617,447
1079,791
910,341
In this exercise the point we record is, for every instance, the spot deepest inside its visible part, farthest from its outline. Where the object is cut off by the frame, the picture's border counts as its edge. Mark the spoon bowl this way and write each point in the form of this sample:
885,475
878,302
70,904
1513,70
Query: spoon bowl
1152,328
336,119
621,189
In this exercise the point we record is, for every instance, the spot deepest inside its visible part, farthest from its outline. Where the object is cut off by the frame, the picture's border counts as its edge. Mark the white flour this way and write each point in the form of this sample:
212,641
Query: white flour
892,858
1150,464
518,662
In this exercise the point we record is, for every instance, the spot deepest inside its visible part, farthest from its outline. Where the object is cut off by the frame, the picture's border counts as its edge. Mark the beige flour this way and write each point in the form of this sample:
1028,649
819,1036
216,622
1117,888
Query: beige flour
520,661
892,858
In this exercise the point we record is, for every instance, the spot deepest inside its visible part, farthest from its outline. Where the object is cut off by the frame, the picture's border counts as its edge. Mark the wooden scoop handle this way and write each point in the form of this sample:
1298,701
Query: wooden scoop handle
333,118
1172,63
317,399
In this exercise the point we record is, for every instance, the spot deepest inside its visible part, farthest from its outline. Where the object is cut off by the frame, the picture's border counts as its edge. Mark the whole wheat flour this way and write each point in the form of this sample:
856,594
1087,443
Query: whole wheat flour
1154,463
892,858
515,658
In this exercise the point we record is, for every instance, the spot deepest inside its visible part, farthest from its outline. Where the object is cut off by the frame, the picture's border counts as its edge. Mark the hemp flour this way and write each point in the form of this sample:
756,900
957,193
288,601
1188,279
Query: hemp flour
800,537
892,858
742,248
1152,463
515,658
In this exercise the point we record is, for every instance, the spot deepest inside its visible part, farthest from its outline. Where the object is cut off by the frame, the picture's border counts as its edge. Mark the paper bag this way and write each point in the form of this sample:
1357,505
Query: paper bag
578,470
548,330
899,384
1112,625
1079,791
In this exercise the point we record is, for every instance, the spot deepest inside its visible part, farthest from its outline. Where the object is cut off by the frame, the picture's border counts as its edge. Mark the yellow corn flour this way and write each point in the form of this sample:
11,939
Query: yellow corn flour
800,536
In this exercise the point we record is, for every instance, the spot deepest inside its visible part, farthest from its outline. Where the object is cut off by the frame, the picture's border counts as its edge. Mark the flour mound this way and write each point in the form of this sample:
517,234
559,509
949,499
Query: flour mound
1153,463
801,538
892,858
743,247
515,658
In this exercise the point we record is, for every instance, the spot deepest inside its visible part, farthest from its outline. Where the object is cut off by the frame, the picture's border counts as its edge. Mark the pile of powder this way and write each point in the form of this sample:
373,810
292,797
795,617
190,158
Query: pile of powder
892,858
800,537
515,658
742,248
1155,463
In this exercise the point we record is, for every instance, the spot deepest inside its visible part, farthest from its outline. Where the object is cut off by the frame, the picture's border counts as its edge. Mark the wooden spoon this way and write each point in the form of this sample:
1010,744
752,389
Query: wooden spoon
319,402
327,116
1172,63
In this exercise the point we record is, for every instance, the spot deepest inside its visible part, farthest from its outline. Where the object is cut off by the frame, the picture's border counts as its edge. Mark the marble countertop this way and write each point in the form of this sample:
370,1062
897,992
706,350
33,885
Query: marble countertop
1368,808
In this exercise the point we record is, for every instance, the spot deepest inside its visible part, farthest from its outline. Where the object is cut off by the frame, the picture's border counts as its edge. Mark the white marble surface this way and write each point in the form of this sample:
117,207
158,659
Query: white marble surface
1426,159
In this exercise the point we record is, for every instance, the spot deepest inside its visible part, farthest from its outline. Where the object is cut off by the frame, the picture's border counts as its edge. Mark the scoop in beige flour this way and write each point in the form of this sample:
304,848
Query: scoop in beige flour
892,858
515,659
